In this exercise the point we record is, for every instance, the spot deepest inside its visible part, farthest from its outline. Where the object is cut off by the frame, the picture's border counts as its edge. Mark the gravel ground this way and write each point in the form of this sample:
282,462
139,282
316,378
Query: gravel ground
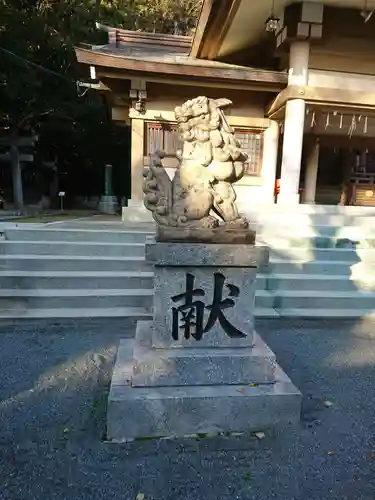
52,422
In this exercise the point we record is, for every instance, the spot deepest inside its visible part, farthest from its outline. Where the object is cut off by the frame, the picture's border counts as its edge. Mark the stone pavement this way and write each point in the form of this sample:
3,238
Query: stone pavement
53,387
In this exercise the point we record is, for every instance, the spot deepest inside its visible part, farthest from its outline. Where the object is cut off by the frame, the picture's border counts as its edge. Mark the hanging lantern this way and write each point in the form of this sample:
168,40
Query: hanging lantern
272,23
366,13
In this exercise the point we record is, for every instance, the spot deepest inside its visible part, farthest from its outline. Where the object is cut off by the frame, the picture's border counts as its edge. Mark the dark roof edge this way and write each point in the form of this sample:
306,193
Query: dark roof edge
95,58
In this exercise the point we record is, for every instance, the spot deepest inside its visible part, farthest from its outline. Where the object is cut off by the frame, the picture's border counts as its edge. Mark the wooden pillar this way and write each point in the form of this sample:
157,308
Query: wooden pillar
269,163
294,126
137,155
311,174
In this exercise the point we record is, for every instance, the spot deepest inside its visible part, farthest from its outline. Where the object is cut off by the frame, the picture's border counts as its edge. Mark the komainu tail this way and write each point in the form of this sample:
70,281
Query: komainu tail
157,188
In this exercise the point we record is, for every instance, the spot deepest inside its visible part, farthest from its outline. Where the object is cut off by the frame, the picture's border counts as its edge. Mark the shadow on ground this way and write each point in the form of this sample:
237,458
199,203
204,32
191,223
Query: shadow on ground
52,419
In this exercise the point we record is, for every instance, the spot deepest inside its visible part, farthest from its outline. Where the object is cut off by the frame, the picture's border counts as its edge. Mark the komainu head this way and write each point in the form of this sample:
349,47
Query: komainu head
197,117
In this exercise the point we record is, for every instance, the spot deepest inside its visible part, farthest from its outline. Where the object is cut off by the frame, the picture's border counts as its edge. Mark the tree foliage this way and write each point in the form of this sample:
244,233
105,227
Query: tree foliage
39,71
44,32
164,16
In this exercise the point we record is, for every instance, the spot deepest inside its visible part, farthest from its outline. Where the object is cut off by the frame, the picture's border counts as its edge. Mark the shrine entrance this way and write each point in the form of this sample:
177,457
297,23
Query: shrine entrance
338,160
346,172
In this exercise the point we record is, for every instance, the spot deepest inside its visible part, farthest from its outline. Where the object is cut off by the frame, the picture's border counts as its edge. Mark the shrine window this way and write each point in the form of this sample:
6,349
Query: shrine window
251,141
165,137
162,137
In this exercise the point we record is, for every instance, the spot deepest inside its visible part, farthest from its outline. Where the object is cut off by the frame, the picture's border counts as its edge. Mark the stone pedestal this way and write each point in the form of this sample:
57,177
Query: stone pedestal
199,366
136,212
108,205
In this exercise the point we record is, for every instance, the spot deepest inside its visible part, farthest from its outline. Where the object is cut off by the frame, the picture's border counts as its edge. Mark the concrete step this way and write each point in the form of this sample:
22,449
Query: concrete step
315,213
54,263
287,221
107,226
93,280
137,313
323,254
338,234
76,235
336,268
136,303
82,299
306,209
99,298
265,299
306,282
275,235
263,312
93,249
324,313
309,220
71,248
100,249
70,263
319,299
124,249
285,241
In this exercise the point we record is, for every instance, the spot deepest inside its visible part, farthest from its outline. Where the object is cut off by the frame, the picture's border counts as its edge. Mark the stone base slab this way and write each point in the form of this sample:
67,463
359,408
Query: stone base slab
217,235
139,412
196,366
203,255
288,199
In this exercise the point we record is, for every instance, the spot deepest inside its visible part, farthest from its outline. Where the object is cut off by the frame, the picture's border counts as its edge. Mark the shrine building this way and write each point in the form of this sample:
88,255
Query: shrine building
301,76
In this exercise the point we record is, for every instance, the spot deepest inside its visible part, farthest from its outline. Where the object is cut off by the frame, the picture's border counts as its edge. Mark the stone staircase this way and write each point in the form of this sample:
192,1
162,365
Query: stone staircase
322,265
93,270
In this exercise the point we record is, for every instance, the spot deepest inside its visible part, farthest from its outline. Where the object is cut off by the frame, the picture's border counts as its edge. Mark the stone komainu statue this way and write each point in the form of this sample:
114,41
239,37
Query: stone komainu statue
201,195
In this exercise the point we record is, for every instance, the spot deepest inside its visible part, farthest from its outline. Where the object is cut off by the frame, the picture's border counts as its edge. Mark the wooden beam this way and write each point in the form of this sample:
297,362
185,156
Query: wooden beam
95,86
214,23
278,115
237,121
343,141
192,82
324,96
201,27
278,102
223,22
